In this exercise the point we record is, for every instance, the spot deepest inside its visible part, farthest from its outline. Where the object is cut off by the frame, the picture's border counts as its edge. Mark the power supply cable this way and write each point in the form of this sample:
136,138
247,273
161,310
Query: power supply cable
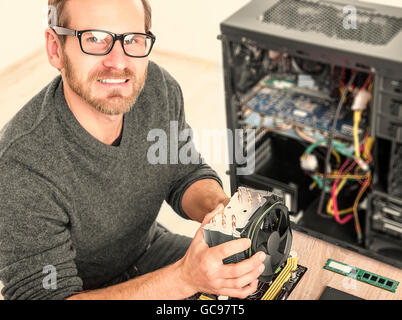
330,140
334,193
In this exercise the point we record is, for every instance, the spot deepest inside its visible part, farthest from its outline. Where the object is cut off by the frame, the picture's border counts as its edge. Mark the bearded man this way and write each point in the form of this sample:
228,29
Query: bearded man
79,196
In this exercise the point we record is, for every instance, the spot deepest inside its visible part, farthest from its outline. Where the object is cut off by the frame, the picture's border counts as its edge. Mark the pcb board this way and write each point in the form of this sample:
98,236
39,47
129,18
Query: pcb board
294,107
361,275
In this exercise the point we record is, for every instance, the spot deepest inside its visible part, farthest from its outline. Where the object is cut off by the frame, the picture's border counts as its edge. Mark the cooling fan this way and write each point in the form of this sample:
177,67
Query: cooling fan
260,216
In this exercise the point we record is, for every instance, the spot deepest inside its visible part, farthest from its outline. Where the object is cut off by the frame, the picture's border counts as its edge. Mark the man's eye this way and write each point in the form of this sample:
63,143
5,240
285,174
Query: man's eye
93,40
130,41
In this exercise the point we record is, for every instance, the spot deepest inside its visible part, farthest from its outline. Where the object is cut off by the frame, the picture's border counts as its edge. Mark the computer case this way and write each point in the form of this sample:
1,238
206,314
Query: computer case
309,46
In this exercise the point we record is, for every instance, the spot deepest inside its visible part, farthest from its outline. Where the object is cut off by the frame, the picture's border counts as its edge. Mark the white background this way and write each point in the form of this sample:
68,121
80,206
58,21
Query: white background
195,21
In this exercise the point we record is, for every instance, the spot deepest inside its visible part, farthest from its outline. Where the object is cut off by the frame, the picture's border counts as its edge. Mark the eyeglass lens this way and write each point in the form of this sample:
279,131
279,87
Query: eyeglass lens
99,42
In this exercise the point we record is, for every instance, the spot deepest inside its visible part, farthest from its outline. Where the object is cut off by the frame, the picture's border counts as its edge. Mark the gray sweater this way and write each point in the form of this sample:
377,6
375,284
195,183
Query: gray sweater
69,201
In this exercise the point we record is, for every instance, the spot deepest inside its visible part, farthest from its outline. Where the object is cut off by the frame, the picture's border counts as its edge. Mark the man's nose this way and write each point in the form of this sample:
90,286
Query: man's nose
116,59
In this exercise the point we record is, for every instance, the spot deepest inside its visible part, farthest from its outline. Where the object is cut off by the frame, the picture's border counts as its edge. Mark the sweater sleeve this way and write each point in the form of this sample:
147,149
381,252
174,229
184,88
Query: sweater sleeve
190,166
36,253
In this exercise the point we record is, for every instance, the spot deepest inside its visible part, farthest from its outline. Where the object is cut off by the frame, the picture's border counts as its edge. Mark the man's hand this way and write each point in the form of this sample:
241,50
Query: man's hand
202,268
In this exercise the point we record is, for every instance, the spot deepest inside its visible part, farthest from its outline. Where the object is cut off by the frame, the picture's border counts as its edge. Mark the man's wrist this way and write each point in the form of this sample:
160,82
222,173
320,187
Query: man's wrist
202,197
181,280
219,198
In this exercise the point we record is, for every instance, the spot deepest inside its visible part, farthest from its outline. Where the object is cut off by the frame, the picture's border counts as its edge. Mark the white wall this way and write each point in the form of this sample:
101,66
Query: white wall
194,22
17,17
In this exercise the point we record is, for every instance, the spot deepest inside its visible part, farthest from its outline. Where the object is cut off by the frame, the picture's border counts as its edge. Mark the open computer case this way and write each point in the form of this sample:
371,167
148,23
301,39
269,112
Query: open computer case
320,82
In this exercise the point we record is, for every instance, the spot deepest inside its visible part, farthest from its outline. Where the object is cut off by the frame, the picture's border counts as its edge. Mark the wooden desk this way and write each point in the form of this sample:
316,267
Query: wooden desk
314,253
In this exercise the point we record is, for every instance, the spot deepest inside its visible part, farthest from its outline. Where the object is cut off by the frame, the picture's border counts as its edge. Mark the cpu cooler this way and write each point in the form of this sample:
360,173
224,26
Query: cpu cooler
260,216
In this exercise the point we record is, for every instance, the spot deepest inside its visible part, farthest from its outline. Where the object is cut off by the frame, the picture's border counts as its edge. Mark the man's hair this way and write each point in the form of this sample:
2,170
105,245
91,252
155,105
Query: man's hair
62,18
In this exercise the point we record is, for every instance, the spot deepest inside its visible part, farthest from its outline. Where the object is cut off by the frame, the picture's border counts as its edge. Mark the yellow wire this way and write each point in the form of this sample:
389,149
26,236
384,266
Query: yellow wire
355,213
330,203
337,157
357,115
347,176
368,147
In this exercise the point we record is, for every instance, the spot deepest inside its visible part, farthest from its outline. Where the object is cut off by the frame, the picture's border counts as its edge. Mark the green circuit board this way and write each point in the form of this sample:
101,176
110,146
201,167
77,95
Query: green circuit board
362,275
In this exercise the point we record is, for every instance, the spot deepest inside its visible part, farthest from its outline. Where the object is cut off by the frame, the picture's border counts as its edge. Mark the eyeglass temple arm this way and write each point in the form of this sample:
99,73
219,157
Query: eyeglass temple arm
64,31
151,34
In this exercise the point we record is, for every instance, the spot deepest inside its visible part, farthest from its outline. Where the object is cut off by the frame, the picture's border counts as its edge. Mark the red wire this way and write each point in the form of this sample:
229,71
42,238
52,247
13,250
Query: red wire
342,77
333,193
368,80
335,185
360,194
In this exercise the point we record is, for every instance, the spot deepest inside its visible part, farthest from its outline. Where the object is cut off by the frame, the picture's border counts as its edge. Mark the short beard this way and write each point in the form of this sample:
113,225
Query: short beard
83,90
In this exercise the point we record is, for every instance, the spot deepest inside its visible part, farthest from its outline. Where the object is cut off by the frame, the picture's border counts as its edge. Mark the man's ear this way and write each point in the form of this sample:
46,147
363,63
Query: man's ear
53,49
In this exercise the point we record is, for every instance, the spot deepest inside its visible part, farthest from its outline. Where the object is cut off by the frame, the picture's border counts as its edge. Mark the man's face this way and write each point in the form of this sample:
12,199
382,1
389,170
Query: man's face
83,72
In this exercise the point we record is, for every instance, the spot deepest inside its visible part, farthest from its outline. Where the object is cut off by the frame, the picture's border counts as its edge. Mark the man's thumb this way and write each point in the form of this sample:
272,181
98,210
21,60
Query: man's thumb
212,214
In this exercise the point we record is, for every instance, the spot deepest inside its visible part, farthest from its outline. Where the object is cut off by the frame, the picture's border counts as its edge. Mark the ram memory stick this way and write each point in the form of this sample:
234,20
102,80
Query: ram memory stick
362,275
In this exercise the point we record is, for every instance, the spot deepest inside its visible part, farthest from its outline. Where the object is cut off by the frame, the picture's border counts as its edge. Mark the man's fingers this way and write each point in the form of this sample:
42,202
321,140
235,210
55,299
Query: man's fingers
244,280
239,269
213,213
240,293
199,237
230,248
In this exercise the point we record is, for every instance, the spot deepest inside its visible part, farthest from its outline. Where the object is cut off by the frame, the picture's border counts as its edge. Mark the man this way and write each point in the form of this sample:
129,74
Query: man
79,197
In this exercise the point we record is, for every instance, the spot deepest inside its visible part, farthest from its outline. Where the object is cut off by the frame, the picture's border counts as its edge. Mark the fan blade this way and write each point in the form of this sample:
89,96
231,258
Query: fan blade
285,242
283,237
273,243
268,266
280,221
288,242
282,242
262,239
276,259
261,247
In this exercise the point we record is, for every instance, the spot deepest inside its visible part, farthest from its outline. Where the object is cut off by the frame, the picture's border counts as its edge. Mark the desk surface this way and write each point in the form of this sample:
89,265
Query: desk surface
314,253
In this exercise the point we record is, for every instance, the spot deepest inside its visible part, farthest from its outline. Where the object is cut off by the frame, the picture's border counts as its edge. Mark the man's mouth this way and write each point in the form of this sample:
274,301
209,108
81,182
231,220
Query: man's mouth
113,81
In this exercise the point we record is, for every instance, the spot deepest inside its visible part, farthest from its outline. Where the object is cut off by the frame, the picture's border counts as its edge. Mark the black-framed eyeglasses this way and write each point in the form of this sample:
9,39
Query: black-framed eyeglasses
101,42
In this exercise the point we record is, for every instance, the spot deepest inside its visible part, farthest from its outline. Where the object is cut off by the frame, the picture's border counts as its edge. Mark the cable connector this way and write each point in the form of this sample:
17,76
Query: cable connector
361,100
309,162
362,164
